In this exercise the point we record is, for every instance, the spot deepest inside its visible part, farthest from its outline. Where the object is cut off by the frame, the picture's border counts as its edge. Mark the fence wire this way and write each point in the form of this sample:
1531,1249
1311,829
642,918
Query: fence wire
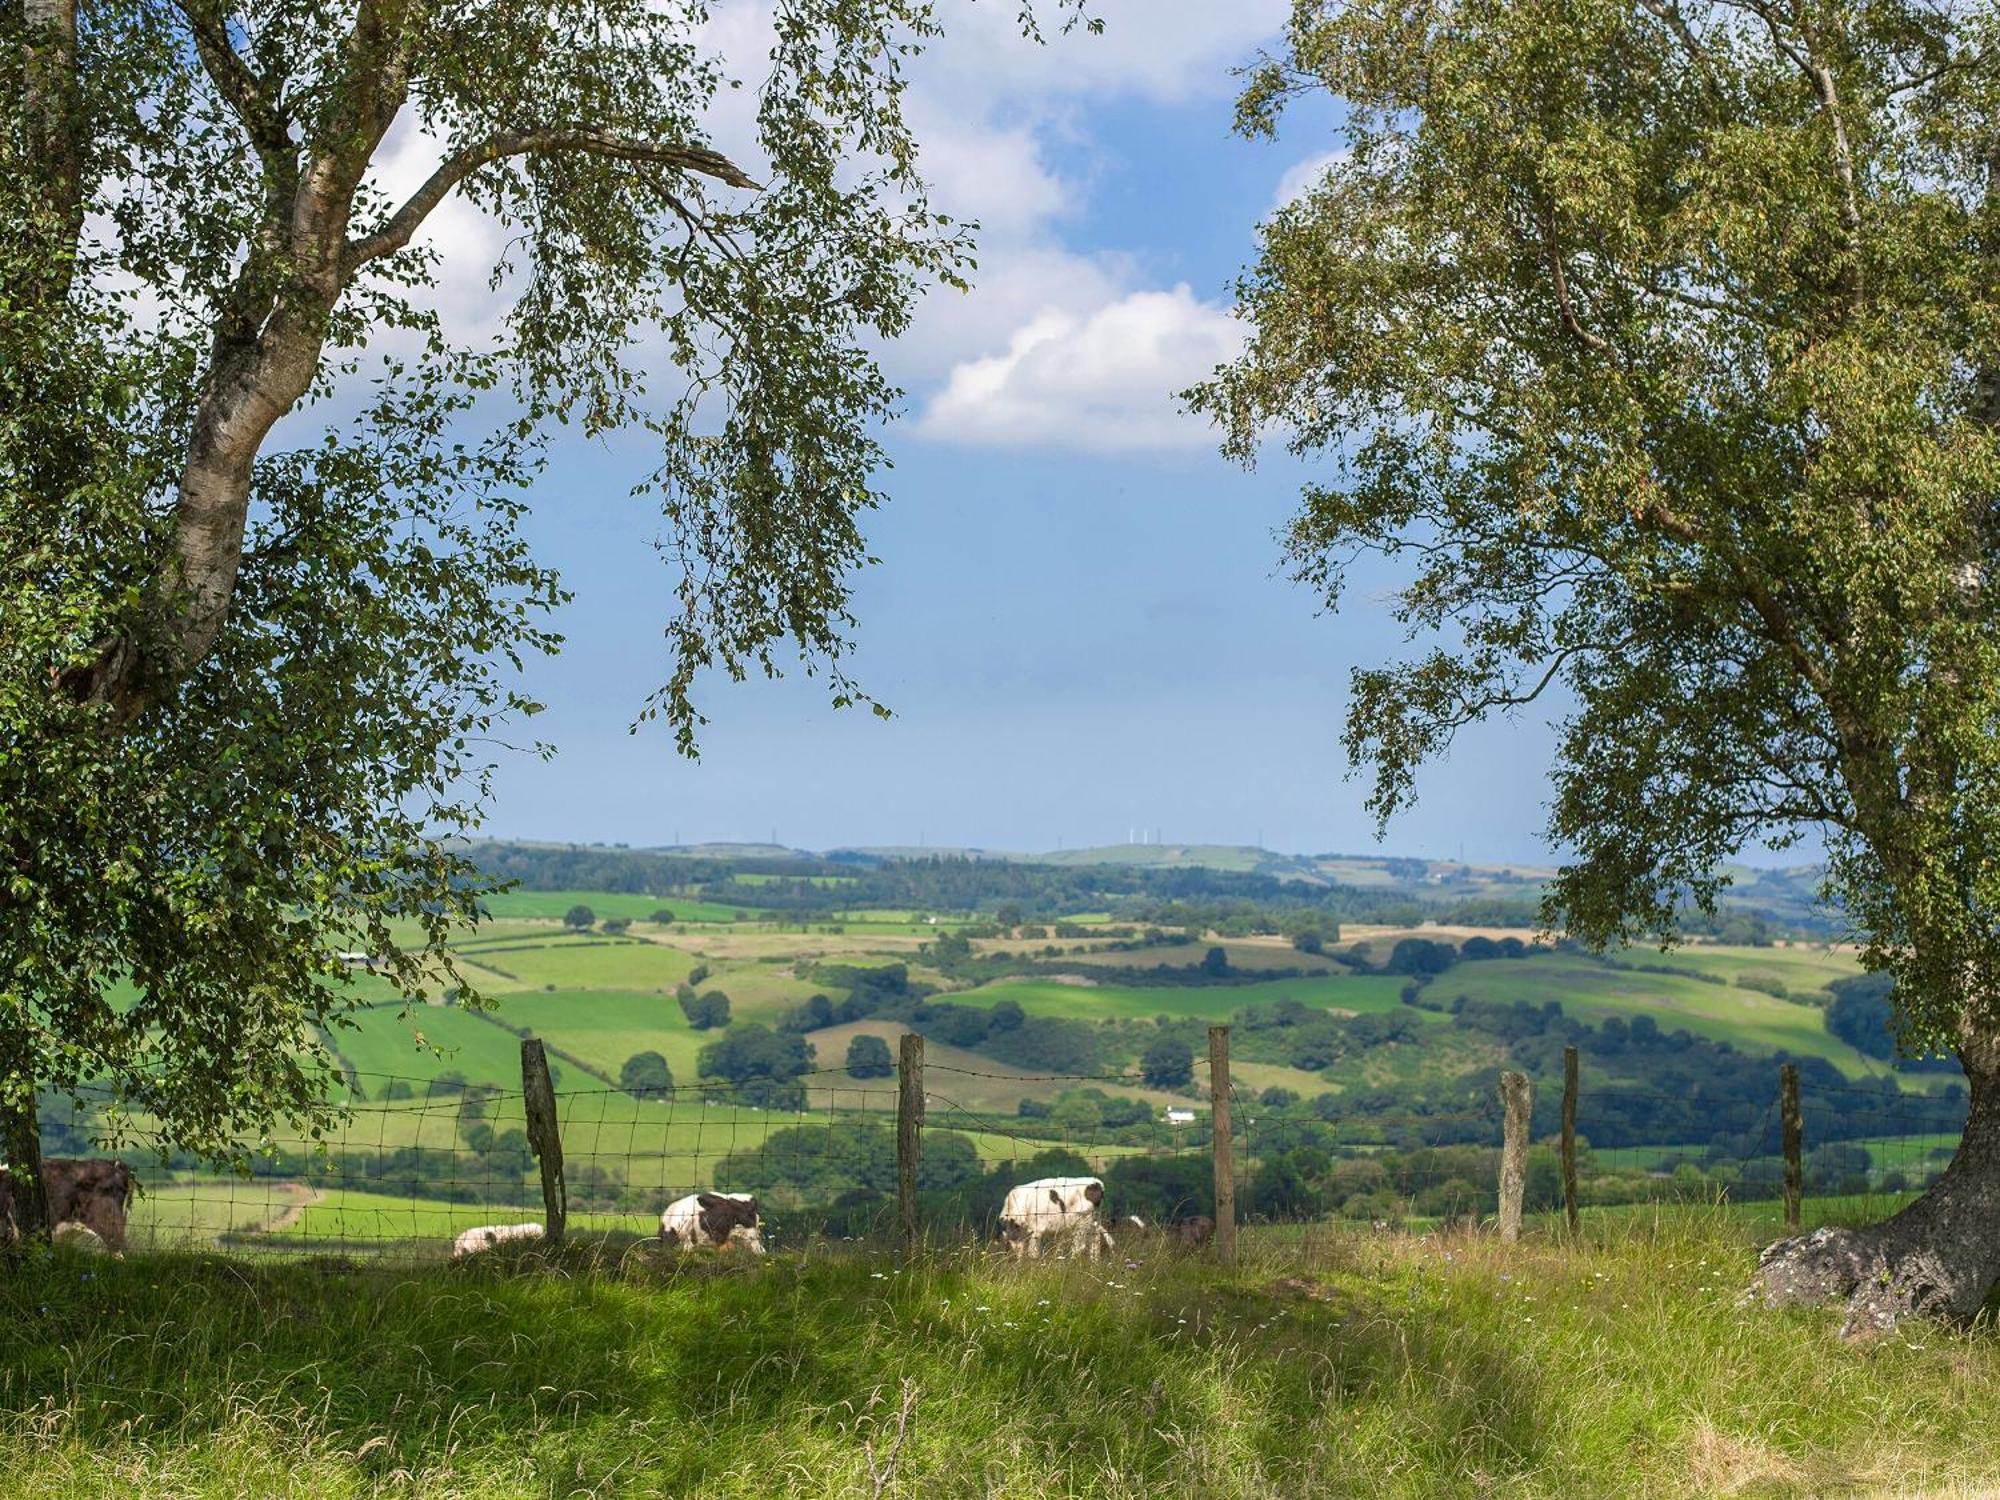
410,1164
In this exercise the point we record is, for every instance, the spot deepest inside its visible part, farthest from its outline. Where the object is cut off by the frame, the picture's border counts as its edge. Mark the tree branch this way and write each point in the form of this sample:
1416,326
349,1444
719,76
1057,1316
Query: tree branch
1563,303
245,93
395,233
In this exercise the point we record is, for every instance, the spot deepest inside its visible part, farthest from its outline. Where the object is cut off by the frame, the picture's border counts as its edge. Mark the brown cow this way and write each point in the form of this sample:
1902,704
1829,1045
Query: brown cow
96,1193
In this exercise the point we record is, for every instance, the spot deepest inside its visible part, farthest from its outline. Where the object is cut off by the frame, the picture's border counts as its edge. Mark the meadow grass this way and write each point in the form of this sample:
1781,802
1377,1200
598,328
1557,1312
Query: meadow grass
637,908
1216,1002
1805,971
428,1040
573,964
604,1029
1447,1365
1589,991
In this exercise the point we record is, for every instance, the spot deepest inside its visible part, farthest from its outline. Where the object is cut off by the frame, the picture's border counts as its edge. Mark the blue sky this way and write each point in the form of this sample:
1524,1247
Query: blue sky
1078,617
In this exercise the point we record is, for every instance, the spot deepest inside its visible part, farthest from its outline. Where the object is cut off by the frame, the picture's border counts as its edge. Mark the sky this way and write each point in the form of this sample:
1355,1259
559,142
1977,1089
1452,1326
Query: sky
1079,617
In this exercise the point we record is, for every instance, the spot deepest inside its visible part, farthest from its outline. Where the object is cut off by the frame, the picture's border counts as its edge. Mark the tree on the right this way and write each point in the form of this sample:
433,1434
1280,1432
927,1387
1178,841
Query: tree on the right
1660,343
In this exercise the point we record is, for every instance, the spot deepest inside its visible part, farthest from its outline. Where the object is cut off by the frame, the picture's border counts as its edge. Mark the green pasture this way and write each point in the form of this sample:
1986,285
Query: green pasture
1216,1002
1590,991
1242,955
1804,971
633,906
594,964
604,1028
427,1040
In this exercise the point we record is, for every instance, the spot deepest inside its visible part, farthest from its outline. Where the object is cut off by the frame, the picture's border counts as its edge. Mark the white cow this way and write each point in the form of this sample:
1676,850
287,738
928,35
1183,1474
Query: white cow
1054,1207
486,1236
727,1221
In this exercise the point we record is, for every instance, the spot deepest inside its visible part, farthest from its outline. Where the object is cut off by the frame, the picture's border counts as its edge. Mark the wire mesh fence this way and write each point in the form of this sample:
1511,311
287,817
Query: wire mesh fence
410,1165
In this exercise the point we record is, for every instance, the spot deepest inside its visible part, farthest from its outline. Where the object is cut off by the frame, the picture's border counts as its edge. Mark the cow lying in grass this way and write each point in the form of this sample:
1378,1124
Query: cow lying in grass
1060,1208
486,1236
728,1221
94,1194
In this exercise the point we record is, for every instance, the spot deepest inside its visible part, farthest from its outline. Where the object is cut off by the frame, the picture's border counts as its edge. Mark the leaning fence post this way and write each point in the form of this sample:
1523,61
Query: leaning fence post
1225,1165
1569,1137
538,1095
1794,1133
1516,1094
909,1134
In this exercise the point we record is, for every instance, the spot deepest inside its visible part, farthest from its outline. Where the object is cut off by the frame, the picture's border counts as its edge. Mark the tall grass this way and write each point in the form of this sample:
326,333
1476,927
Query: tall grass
1444,1365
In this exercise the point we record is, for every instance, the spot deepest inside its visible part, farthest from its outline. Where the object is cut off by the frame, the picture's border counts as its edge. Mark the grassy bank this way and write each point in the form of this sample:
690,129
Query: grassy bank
1386,1366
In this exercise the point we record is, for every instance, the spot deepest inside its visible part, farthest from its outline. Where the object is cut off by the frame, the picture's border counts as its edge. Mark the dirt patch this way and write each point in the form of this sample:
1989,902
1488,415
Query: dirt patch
302,1198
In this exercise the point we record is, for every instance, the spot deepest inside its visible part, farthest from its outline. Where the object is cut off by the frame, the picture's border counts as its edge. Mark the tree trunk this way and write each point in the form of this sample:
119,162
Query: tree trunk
1940,1256
21,1148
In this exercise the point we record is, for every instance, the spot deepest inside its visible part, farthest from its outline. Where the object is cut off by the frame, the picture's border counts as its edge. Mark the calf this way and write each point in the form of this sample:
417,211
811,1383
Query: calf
486,1236
727,1221
94,1193
1063,1207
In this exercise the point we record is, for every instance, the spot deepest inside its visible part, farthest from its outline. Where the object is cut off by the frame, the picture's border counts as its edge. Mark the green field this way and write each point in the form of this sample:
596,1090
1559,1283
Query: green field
604,1029
592,964
1590,991
1804,971
426,1040
637,908
1389,1366
1216,1002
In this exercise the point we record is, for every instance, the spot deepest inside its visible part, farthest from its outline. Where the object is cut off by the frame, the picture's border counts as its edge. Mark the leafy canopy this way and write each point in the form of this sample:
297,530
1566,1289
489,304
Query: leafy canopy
261,567
1660,342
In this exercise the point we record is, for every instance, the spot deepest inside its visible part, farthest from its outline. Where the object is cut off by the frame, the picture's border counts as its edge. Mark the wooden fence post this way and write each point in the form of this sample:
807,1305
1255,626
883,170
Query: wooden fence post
1794,1136
1225,1163
1569,1137
909,1135
1518,1096
538,1095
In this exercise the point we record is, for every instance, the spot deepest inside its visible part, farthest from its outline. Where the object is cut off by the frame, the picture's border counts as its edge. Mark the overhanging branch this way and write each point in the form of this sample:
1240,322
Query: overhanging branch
401,225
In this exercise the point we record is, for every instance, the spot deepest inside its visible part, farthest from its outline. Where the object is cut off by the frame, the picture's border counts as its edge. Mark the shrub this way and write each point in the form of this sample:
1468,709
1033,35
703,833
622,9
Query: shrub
868,1057
645,1075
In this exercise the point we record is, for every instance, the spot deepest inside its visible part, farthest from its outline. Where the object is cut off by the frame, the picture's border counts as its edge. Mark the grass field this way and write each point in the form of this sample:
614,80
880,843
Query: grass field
604,1029
1804,971
1752,1021
607,904
1347,1365
1218,1002
428,1040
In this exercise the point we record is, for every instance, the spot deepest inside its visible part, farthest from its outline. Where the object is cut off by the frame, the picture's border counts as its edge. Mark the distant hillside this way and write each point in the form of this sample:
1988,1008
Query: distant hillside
1361,887
1244,859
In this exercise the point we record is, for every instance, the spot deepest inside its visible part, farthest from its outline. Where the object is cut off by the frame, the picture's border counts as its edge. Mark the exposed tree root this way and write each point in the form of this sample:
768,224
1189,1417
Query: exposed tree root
1885,1274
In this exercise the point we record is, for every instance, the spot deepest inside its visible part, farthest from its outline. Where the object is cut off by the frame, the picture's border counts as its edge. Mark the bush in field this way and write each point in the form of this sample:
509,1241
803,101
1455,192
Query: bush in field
1168,1063
645,1074
1421,957
616,925
810,1015
704,1012
579,917
868,1057
662,916
762,1064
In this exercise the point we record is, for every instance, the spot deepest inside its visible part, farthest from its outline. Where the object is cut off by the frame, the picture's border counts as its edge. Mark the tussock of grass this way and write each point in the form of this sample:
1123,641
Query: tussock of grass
1343,1366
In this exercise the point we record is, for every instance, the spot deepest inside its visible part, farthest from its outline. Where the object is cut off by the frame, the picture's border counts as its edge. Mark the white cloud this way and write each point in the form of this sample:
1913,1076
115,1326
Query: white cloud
1165,51
1301,177
1105,380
